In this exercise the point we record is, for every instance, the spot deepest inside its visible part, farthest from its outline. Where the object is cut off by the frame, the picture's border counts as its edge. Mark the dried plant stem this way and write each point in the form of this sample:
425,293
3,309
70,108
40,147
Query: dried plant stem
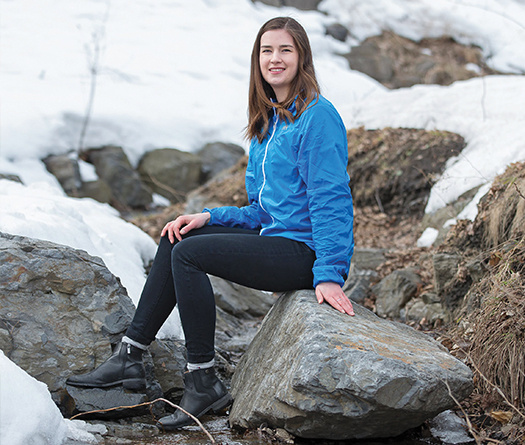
148,404
467,418
518,191
500,392
176,194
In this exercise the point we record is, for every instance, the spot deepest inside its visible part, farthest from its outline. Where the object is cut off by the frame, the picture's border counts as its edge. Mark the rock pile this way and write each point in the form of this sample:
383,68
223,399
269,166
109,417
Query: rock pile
167,172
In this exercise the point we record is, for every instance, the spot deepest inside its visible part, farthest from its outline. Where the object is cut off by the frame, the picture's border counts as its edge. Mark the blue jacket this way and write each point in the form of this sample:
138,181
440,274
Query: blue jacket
297,187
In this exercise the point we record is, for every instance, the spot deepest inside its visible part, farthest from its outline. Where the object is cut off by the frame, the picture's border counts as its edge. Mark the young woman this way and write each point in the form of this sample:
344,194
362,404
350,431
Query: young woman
296,233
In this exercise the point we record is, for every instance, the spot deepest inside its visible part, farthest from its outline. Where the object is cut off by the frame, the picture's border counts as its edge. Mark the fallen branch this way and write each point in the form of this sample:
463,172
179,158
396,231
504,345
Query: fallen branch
149,404
473,433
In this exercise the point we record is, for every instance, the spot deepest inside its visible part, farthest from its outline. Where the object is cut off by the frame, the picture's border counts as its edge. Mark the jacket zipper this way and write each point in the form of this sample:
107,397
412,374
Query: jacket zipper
263,170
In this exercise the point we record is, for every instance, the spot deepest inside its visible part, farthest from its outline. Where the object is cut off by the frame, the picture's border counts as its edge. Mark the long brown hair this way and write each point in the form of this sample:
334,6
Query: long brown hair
304,86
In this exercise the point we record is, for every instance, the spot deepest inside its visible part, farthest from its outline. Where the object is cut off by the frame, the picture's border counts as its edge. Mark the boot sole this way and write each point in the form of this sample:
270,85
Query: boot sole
219,405
133,384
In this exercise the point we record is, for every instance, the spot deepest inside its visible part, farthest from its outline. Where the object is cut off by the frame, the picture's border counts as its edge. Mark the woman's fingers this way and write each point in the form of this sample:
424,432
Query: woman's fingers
183,224
334,296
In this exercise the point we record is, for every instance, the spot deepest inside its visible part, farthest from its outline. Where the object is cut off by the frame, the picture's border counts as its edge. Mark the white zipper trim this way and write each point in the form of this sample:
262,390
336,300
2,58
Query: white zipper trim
264,172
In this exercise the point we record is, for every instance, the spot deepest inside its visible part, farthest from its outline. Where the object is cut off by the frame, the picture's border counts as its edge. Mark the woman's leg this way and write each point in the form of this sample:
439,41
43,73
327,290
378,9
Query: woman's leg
158,295
260,262
125,366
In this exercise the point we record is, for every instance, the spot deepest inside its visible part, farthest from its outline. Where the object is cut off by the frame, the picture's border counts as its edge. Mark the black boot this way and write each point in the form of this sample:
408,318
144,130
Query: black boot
203,392
124,368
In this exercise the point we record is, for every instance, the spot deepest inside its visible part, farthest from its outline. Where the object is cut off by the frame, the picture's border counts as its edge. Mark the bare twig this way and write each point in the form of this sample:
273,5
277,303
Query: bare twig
518,190
467,418
94,68
176,194
378,200
149,404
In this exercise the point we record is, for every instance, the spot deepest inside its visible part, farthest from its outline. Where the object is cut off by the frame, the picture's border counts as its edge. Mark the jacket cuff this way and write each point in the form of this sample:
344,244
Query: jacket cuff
210,211
327,275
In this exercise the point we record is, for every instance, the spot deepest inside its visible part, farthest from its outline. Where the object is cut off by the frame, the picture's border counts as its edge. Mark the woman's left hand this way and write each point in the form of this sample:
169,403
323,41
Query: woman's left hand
333,294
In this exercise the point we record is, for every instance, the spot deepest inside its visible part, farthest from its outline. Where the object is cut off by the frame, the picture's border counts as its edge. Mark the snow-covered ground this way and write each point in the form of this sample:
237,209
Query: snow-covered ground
175,74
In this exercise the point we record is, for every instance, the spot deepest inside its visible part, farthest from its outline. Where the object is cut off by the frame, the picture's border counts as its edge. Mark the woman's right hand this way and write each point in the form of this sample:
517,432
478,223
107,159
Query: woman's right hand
183,224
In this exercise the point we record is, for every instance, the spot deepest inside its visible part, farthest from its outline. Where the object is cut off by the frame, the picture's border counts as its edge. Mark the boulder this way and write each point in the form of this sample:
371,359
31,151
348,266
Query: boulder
170,172
368,59
65,168
112,166
398,62
61,310
445,268
427,310
218,156
357,285
240,301
98,190
318,373
337,31
394,291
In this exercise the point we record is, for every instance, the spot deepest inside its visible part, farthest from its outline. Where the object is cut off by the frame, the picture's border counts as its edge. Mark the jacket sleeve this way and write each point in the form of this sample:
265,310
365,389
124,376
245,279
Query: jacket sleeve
247,217
322,162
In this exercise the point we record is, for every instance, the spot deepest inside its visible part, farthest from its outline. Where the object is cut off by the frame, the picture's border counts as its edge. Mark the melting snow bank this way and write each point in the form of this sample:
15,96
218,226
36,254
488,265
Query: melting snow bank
485,111
28,415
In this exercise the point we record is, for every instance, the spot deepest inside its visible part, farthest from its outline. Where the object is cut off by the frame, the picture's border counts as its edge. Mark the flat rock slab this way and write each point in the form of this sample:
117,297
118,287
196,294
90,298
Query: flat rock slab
318,373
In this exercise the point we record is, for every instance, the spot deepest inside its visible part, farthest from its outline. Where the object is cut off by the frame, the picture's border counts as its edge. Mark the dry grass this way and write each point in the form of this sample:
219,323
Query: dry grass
506,216
498,342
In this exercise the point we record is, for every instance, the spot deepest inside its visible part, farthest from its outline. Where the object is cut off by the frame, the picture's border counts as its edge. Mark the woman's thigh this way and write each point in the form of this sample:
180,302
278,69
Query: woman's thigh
260,262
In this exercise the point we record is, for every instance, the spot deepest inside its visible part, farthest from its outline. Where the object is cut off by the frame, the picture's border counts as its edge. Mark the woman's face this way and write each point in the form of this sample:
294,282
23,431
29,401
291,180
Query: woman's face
279,61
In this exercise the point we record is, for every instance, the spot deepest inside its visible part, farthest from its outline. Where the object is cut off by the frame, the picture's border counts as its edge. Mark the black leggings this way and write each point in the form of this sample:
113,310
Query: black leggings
179,276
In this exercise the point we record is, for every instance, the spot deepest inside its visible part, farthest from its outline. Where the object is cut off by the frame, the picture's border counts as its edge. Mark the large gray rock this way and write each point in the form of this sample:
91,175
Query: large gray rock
445,268
60,308
65,168
112,166
394,291
357,286
321,374
170,172
218,156
60,312
241,301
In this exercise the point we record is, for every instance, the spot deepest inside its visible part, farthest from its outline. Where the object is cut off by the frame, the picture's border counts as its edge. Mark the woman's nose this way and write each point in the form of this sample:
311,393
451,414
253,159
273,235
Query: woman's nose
276,57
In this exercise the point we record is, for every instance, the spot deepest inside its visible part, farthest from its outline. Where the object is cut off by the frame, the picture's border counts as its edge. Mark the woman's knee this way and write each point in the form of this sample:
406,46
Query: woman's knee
184,251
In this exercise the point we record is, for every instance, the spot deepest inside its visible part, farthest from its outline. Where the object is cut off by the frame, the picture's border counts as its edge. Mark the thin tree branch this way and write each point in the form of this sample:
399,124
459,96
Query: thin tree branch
149,404
467,418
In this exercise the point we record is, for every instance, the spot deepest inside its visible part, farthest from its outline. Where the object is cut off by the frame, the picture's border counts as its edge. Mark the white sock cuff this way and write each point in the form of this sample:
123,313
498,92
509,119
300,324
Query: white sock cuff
195,366
134,343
